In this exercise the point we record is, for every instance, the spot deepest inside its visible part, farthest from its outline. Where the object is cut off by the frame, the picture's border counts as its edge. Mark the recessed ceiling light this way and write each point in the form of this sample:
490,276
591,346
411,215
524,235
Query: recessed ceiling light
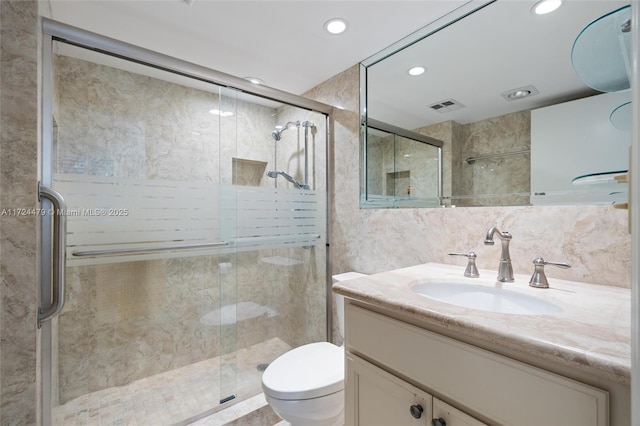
519,93
335,26
546,6
254,80
221,113
416,70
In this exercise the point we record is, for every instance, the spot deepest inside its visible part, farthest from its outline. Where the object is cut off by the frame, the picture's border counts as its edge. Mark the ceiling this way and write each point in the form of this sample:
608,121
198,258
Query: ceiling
281,42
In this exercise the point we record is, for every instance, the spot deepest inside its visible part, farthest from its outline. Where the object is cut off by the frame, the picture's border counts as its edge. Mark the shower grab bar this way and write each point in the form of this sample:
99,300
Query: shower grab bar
59,257
472,160
245,241
138,251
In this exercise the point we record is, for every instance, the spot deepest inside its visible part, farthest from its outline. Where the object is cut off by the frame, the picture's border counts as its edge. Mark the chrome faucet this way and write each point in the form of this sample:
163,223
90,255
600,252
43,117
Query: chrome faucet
505,270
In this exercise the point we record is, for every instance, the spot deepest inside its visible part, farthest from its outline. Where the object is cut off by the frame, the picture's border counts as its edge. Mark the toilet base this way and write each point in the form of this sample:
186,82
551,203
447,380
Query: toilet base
327,410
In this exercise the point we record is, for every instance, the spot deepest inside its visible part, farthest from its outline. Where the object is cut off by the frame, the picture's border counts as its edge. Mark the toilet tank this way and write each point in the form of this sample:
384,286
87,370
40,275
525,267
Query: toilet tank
340,298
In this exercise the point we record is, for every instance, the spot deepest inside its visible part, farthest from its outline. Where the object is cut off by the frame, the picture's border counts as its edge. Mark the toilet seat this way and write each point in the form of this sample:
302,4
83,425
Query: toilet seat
306,372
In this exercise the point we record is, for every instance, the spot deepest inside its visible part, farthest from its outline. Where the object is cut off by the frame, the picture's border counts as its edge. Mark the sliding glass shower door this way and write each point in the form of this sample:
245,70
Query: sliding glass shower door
193,259
136,154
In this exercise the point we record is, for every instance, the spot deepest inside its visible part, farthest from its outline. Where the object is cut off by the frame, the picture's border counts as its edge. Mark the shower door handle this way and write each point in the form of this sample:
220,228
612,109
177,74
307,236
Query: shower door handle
59,253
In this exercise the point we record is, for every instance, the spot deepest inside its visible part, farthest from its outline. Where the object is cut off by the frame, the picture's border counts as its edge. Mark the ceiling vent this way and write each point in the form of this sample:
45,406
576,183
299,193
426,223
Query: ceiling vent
446,106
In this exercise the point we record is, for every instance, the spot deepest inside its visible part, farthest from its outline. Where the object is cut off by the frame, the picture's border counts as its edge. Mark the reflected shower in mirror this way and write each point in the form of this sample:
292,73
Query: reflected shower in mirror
402,167
535,111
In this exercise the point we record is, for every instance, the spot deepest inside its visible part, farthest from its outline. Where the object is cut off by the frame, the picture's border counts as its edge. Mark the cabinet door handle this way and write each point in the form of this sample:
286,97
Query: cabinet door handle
416,410
438,422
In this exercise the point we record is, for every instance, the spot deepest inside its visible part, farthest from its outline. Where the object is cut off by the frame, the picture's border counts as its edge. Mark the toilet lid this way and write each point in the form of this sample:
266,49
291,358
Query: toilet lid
308,371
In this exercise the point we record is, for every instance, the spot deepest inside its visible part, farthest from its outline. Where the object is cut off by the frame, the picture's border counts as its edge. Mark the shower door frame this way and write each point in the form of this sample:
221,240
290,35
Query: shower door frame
56,31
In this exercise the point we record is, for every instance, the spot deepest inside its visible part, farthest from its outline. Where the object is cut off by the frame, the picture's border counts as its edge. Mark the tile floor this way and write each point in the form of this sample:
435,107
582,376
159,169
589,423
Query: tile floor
253,411
171,397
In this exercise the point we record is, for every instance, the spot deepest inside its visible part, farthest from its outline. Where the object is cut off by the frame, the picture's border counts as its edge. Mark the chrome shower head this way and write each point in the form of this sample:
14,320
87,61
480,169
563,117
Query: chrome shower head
277,133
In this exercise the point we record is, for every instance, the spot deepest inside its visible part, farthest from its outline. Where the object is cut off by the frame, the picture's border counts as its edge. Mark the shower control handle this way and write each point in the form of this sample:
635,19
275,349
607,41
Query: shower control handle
472,270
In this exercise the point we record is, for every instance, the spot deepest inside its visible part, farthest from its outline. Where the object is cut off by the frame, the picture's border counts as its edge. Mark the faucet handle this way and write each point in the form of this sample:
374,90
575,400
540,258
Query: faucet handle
471,271
539,279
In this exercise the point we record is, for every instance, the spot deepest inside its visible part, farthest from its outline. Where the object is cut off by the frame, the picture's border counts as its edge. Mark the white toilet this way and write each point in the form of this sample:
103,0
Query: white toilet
305,386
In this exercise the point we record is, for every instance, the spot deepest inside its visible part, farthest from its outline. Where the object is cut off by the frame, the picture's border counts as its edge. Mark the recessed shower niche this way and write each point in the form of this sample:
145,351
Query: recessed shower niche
248,172
397,182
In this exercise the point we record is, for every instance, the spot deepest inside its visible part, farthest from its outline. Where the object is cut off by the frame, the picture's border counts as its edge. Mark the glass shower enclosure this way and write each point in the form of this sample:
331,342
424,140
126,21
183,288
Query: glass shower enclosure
183,267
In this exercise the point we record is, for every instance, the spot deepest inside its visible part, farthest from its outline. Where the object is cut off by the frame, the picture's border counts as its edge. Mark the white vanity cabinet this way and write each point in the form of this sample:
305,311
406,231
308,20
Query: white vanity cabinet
392,366
375,397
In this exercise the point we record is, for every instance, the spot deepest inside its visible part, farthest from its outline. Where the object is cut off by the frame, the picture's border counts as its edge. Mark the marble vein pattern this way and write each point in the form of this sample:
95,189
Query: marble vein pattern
175,395
484,180
591,333
127,321
19,124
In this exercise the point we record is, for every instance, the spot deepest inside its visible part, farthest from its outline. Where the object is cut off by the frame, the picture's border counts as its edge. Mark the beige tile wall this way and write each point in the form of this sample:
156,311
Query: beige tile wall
505,175
18,190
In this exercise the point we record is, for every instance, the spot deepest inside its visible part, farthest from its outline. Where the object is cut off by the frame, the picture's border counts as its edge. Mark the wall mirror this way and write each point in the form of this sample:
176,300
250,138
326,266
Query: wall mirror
506,107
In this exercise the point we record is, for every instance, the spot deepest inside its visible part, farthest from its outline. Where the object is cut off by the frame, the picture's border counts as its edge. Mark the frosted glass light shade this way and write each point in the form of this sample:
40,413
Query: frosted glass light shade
601,53
621,117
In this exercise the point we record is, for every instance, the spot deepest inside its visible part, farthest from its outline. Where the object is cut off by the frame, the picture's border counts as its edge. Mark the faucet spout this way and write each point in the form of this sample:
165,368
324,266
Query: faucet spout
505,270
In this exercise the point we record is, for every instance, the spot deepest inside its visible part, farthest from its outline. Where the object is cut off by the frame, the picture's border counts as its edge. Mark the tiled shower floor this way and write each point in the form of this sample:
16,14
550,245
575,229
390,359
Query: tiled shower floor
170,397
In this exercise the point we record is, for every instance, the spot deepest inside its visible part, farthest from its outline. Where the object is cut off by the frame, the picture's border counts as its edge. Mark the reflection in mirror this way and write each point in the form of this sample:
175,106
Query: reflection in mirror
403,168
519,109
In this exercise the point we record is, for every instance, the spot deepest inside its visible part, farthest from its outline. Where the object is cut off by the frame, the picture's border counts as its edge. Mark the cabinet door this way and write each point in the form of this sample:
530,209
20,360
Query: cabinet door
375,397
451,416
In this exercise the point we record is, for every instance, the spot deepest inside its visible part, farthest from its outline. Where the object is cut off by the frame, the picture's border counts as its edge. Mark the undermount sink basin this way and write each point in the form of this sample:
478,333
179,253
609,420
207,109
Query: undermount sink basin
484,298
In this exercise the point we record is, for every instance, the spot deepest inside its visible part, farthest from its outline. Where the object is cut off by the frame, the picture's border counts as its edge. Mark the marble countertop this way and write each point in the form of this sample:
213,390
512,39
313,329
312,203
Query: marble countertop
591,333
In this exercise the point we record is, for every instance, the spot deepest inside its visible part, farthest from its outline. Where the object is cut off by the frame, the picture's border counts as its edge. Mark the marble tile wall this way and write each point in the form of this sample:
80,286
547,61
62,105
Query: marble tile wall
127,321
18,190
376,164
448,133
507,175
594,239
